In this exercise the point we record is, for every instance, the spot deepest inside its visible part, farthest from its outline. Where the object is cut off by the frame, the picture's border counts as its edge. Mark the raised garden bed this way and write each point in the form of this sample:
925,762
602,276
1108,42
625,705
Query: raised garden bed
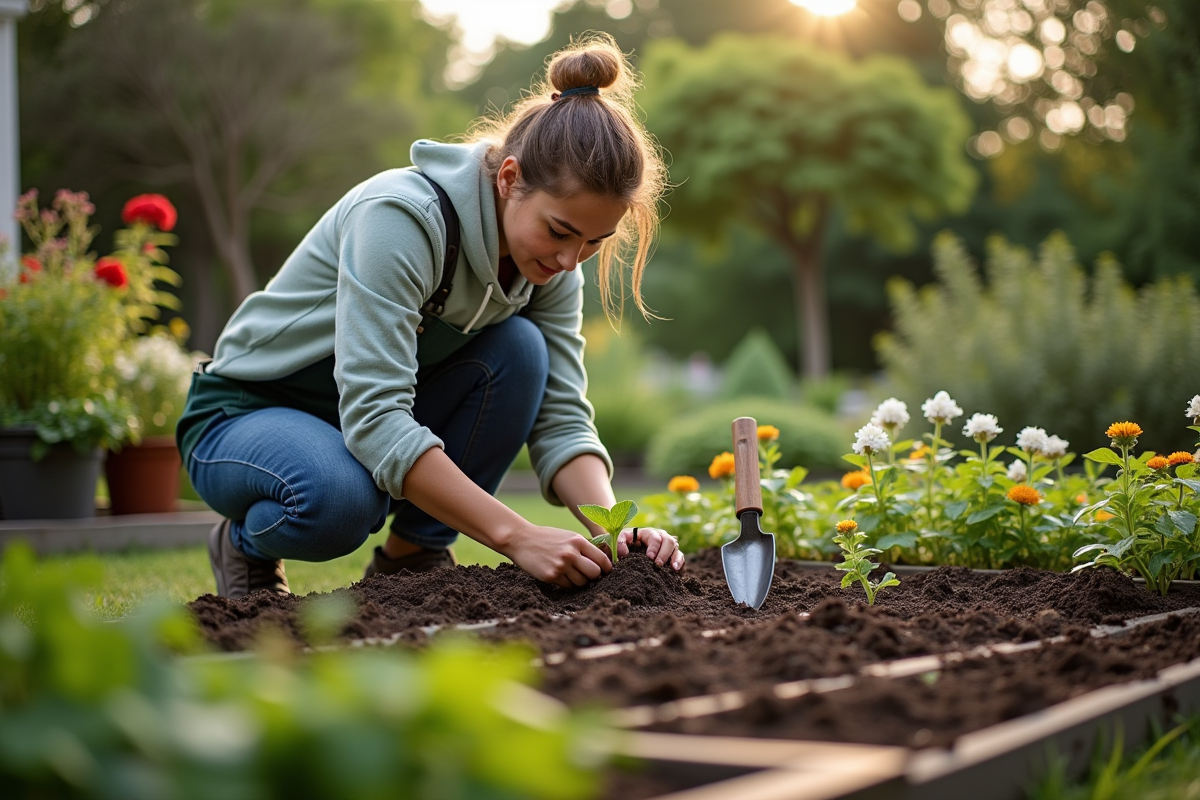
942,657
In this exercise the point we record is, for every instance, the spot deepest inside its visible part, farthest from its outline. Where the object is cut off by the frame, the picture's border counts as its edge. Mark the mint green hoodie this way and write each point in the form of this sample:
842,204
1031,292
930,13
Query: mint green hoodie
354,287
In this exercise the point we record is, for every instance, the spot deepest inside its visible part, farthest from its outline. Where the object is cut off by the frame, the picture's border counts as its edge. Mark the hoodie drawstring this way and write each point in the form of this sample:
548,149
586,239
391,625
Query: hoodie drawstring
486,296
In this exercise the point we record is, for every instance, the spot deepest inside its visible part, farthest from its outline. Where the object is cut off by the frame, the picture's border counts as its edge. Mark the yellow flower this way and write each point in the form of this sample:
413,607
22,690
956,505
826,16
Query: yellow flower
683,484
1025,495
853,480
1158,462
847,526
1180,457
919,452
1103,515
1123,434
767,433
721,466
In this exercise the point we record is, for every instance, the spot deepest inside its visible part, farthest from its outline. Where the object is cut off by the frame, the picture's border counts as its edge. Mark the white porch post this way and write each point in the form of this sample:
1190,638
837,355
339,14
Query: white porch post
10,155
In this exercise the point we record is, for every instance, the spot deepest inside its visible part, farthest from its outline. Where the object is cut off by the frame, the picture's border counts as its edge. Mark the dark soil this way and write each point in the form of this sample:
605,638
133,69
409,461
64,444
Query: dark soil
979,692
639,600
691,639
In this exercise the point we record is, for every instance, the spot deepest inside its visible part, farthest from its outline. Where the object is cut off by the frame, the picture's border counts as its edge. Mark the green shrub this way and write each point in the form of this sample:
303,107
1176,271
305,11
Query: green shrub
99,710
1037,341
628,411
756,368
808,437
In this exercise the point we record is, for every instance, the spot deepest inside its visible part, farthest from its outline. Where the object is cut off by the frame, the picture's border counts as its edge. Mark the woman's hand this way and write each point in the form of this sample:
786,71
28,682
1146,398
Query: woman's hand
661,547
557,556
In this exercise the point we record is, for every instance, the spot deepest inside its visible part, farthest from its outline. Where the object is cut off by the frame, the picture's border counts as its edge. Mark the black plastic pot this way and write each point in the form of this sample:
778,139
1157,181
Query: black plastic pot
62,485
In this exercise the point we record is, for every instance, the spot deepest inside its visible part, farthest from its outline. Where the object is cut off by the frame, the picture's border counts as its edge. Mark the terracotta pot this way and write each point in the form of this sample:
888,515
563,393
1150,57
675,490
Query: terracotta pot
144,478
60,486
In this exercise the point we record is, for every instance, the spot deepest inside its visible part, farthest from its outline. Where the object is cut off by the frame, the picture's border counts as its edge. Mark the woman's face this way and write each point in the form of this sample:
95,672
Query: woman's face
546,235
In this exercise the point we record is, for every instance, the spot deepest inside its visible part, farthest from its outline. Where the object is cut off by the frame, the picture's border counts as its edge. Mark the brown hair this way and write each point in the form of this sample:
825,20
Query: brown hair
592,143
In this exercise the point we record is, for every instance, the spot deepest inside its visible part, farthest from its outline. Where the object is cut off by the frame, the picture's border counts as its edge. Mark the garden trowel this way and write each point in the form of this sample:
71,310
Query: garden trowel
749,560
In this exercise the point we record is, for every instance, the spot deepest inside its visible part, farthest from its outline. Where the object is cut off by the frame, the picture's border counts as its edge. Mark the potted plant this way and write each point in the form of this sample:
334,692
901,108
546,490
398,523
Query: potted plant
64,316
154,373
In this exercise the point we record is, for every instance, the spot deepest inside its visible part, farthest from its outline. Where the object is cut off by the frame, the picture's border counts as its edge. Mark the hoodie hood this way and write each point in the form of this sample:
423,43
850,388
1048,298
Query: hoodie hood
458,168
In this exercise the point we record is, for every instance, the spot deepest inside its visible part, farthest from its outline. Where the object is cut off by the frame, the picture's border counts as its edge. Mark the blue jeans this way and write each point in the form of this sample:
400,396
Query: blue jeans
293,490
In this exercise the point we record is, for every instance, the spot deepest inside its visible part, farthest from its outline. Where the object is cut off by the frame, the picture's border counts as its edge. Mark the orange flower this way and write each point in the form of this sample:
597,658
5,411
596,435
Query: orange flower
1025,495
767,433
919,452
847,526
1181,457
722,466
1123,434
1158,462
1081,498
853,480
1103,515
683,484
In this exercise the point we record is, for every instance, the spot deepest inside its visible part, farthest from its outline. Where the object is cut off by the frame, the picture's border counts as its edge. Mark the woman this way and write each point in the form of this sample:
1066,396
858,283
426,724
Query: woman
398,361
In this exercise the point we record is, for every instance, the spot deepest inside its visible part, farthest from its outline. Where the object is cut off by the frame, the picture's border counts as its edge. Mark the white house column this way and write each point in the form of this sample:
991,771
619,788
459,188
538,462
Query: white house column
10,155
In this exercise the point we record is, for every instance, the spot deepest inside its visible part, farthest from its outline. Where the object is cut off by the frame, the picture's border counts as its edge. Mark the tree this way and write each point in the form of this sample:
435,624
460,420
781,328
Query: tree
782,134
274,106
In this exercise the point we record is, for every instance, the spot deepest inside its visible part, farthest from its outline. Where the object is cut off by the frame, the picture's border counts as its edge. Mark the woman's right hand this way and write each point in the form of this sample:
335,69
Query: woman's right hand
557,556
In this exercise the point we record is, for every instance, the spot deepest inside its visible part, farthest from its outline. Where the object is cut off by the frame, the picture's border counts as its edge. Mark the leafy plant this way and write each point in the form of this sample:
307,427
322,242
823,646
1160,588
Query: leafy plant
612,520
1034,337
1145,527
857,563
100,710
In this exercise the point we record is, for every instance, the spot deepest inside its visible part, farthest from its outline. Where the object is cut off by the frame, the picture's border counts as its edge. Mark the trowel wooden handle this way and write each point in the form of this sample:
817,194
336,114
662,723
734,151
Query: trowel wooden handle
747,489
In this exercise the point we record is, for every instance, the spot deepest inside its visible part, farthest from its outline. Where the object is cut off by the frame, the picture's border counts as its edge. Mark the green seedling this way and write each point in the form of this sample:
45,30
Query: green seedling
858,564
612,520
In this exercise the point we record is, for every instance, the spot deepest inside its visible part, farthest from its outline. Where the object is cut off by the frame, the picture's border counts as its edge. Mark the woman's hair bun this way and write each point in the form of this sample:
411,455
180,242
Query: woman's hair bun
592,61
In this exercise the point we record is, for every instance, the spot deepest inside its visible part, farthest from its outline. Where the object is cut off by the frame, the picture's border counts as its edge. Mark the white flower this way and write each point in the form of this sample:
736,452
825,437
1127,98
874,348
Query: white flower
983,427
871,439
1193,409
1033,440
1055,447
1017,472
891,412
940,408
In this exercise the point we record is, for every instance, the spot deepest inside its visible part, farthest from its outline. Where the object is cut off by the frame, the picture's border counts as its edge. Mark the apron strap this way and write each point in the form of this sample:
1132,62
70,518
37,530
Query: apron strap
437,301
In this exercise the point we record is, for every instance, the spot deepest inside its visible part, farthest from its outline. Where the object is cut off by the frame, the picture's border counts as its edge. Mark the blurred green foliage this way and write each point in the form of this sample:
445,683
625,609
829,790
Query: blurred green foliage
1036,340
629,409
92,709
757,369
808,436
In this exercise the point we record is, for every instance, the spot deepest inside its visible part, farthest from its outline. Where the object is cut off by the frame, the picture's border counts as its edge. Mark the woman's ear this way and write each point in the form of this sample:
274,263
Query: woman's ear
508,176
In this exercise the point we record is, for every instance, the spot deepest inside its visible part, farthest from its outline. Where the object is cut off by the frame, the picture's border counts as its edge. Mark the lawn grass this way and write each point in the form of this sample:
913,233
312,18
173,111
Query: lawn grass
182,574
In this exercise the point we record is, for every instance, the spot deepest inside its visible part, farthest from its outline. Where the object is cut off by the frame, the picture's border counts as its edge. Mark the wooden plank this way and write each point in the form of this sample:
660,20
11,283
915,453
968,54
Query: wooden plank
103,533
783,769
1002,762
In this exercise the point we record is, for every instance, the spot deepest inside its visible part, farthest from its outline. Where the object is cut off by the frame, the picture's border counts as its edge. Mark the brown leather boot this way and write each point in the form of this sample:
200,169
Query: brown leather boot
238,575
423,560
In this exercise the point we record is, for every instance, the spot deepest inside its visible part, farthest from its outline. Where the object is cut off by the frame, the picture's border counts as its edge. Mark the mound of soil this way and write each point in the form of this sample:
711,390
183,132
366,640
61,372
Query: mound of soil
639,599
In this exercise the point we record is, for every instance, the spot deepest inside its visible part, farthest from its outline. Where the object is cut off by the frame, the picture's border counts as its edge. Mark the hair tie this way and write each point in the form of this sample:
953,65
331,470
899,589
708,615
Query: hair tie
577,90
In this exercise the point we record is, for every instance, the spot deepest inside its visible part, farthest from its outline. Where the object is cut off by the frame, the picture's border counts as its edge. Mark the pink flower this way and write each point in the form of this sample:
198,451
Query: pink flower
112,271
153,209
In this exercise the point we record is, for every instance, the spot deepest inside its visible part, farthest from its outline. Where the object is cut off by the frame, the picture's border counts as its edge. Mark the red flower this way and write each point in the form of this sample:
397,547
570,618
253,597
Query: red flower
112,271
153,209
29,266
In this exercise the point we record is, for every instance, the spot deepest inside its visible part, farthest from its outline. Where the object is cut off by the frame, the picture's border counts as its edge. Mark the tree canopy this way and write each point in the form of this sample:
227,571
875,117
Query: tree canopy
780,135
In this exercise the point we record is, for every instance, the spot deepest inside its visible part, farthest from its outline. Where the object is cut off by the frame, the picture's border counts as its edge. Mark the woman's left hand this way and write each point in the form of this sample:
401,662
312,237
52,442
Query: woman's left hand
661,546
